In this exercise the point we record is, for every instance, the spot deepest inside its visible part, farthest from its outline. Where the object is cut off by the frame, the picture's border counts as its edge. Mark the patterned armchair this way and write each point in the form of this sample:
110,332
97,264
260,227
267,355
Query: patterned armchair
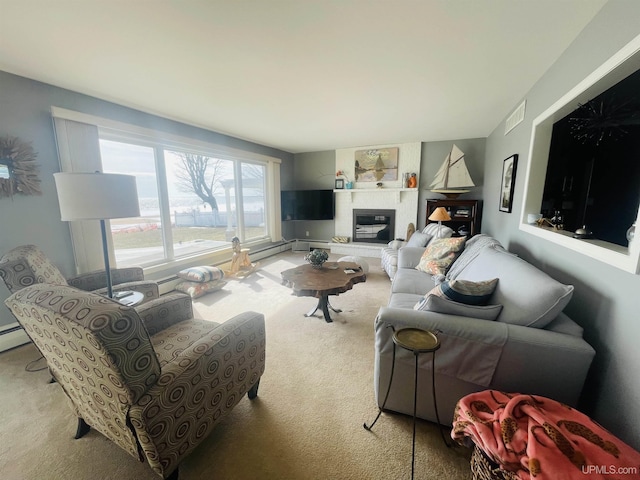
153,379
27,265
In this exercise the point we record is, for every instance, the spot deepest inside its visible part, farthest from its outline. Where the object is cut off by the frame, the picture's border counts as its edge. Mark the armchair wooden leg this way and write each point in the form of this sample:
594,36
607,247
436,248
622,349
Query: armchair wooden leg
83,428
253,391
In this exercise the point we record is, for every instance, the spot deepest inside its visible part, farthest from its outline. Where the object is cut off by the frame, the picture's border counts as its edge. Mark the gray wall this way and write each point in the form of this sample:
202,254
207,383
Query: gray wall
605,301
25,113
433,154
313,171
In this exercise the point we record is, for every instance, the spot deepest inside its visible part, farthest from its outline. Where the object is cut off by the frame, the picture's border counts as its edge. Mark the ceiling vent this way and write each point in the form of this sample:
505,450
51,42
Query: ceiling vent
515,118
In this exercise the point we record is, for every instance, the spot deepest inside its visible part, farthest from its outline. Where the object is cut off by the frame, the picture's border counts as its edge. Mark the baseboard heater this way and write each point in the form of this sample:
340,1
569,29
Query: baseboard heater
12,336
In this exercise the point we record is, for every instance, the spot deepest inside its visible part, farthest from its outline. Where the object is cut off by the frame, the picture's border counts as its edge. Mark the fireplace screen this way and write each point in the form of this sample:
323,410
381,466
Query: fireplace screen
374,226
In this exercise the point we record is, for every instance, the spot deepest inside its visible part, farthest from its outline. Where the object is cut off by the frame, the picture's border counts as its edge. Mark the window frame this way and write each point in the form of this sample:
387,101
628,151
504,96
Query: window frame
160,141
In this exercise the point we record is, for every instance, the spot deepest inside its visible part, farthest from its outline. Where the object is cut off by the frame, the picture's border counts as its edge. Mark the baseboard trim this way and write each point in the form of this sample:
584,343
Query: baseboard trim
12,336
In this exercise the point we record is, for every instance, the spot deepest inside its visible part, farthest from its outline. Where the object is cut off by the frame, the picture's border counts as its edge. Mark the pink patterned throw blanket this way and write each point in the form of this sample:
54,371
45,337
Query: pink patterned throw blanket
539,438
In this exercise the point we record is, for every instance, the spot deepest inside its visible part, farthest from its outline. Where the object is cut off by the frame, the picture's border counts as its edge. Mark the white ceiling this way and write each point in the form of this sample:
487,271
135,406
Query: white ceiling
299,75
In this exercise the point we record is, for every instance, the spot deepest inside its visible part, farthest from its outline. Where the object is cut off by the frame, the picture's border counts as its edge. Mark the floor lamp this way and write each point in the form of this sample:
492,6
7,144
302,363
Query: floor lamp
439,215
97,196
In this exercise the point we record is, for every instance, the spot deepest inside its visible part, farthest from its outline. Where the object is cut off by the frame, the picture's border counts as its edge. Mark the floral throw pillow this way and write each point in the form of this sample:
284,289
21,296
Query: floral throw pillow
440,254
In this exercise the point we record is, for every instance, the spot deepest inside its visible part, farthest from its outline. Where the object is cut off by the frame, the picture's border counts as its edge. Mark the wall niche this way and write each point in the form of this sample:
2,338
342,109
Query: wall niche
593,172
571,137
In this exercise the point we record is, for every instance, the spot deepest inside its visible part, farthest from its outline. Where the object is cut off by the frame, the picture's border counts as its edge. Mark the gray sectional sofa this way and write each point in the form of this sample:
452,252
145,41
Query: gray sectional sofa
530,347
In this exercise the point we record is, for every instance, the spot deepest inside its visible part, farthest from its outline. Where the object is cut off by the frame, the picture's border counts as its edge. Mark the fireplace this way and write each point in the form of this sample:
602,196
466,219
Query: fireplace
373,225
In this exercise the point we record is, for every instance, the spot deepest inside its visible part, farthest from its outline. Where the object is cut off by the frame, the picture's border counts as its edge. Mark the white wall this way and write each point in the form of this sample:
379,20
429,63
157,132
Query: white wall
605,301
366,195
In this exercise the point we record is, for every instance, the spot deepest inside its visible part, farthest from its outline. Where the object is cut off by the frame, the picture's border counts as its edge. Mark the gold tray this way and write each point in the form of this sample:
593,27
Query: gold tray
416,340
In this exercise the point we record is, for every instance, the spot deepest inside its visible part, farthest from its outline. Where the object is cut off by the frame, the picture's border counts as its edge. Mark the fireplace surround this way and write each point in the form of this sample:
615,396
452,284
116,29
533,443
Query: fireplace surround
373,225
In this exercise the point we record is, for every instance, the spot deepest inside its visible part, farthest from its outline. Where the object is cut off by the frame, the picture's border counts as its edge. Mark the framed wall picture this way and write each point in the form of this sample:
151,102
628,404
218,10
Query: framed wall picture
508,183
376,165
339,183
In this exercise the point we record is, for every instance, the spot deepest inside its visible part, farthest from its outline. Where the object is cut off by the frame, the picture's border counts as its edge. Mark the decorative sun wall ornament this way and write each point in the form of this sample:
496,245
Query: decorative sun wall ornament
18,168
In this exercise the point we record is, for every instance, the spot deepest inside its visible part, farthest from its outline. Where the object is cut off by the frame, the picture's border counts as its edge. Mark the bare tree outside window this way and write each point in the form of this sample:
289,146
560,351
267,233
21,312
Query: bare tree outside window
200,175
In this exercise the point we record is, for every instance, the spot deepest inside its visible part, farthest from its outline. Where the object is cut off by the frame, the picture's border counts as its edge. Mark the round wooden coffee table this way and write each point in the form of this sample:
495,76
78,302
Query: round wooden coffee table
331,279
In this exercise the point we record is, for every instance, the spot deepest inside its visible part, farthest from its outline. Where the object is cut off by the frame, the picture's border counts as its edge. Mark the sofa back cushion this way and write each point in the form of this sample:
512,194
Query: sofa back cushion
419,239
529,296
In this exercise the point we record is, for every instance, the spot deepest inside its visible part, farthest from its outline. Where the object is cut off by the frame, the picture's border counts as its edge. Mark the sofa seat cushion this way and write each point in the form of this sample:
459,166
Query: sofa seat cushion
440,254
529,296
563,324
410,280
404,300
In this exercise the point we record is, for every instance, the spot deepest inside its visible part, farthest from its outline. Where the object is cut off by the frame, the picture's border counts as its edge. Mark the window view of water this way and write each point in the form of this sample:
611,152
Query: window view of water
195,226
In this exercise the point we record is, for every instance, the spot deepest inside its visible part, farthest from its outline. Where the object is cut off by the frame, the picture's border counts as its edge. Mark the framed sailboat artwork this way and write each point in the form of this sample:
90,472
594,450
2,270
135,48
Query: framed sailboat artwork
453,177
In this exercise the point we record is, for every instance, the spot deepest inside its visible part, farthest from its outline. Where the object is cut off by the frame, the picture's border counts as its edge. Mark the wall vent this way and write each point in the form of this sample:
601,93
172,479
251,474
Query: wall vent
515,118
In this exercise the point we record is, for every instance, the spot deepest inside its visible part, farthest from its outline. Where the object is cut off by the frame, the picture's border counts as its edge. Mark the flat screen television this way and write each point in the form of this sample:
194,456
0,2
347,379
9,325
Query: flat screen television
307,204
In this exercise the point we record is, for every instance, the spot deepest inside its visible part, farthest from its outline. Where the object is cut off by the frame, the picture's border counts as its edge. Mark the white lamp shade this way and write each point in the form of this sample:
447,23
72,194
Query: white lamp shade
96,196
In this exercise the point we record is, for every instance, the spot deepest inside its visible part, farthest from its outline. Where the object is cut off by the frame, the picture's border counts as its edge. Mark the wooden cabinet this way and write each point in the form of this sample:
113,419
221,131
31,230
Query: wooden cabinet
463,213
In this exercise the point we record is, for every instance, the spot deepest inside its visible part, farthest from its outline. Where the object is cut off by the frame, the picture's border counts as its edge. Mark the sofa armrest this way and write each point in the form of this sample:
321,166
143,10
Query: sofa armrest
544,362
470,348
409,257
530,360
204,382
486,331
163,312
396,244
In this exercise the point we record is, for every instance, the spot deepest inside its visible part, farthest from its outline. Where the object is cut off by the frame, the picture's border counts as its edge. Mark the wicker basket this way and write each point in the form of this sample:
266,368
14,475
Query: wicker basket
483,468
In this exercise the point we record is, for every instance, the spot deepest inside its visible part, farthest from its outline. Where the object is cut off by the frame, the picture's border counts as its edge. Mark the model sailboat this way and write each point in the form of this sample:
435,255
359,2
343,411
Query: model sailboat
453,175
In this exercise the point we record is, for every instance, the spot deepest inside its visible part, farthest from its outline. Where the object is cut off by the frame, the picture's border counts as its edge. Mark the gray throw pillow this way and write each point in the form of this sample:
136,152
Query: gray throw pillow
419,239
434,303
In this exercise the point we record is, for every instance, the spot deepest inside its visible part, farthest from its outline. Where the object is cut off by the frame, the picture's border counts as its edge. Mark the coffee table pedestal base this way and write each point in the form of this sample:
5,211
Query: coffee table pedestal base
324,306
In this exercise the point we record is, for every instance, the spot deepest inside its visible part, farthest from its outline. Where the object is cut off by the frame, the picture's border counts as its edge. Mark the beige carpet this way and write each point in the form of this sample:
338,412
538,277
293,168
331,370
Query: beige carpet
306,423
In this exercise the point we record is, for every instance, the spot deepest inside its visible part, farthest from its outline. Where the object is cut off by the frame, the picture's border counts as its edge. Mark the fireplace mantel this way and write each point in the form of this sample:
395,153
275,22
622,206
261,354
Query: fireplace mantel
397,191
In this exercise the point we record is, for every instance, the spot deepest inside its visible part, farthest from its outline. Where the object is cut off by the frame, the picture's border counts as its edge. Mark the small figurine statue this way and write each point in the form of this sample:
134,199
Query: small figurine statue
240,263
413,181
